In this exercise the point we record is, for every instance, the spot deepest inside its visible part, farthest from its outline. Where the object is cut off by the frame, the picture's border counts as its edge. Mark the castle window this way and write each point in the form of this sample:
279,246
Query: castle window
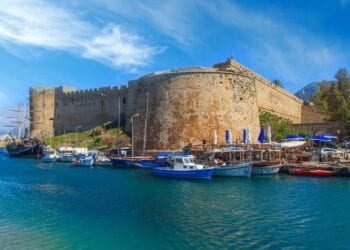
102,103
124,100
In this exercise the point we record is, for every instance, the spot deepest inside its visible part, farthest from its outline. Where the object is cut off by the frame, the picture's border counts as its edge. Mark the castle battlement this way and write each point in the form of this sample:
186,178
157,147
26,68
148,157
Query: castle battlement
186,105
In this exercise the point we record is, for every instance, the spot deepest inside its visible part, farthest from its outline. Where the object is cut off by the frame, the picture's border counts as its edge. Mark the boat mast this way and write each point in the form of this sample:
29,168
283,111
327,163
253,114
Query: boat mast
17,120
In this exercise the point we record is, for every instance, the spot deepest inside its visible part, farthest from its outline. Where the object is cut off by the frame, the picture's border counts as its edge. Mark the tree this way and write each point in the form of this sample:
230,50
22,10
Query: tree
342,75
280,127
334,97
277,82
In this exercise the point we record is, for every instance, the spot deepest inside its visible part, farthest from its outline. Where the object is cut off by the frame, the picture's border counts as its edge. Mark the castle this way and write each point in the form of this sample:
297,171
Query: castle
183,106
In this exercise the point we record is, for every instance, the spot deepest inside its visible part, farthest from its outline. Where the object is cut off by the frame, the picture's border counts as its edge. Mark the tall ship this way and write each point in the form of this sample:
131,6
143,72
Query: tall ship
26,148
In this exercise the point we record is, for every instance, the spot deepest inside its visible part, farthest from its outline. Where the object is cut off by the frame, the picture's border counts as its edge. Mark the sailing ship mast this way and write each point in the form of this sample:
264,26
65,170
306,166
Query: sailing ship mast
18,120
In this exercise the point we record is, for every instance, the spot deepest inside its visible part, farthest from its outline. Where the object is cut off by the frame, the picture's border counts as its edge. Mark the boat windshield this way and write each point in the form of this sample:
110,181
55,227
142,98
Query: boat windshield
186,160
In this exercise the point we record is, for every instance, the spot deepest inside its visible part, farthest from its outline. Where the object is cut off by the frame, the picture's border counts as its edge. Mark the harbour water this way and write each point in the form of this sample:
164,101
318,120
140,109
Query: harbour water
57,206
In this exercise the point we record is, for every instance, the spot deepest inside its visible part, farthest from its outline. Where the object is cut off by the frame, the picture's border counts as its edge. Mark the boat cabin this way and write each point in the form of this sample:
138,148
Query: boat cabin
185,163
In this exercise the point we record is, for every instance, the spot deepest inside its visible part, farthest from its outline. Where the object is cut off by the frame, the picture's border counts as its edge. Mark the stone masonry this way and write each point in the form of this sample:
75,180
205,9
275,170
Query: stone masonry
185,106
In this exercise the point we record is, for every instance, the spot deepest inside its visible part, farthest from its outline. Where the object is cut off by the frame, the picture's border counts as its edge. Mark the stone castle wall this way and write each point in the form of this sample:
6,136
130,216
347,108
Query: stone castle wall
41,111
185,106
270,97
278,101
90,108
312,114
189,107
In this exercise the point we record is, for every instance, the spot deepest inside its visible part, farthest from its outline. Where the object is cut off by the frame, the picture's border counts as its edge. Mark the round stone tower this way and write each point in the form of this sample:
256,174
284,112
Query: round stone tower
189,106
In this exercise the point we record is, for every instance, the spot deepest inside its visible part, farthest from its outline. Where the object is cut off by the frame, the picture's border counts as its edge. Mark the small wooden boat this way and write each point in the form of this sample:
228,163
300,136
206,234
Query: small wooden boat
50,155
101,160
310,172
232,161
242,169
125,162
83,161
66,154
159,160
184,168
266,167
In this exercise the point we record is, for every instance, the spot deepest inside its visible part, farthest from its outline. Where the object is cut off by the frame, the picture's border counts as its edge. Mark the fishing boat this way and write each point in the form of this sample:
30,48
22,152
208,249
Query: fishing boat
66,154
241,169
184,167
26,148
50,155
101,160
125,162
85,160
310,172
231,161
266,168
160,160
266,161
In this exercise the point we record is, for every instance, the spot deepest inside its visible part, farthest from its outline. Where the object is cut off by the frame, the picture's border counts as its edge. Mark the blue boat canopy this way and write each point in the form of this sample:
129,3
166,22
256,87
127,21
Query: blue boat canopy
295,137
323,137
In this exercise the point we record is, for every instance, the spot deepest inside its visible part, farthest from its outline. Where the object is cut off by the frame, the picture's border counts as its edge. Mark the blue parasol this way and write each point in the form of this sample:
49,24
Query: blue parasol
245,139
261,137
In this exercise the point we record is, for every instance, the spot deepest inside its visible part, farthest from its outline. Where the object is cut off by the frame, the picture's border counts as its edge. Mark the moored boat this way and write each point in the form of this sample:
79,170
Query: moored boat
85,160
266,161
310,172
232,161
101,160
242,169
265,169
160,160
184,167
66,154
26,148
50,155
125,162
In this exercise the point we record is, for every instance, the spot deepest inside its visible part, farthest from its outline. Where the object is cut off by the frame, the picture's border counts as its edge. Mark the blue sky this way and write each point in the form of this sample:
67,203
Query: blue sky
97,43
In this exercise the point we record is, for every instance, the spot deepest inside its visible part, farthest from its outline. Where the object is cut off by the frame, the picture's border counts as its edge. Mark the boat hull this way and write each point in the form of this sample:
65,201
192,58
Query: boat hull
66,158
240,170
124,163
49,159
152,164
184,174
265,170
310,172
36,150
84,161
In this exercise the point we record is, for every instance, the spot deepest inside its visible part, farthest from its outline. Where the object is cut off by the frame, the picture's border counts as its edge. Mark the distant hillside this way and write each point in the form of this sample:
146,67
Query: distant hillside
308,91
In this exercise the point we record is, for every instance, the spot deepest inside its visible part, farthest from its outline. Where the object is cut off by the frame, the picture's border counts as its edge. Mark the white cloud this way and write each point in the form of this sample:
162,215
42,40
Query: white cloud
41,24
289,51
275,44
180,20
116,47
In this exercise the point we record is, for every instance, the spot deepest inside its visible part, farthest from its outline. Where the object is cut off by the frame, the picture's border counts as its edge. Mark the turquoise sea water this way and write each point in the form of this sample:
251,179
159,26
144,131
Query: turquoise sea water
56,206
